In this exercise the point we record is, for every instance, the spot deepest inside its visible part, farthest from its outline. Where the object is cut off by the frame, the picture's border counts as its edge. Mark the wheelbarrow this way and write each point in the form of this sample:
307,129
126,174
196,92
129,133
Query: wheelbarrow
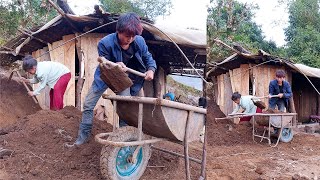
127,149
282,122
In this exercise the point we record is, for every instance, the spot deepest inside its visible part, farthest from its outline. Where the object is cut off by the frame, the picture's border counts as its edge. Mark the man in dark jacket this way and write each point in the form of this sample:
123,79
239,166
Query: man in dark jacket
127,48
281,88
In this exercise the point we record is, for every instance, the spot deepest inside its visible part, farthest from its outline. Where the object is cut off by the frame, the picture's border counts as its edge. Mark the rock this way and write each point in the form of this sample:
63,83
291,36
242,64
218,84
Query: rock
299,177
259,170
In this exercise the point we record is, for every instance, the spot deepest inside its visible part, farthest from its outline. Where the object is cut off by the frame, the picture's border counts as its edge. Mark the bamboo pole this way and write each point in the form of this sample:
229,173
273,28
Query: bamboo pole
155,101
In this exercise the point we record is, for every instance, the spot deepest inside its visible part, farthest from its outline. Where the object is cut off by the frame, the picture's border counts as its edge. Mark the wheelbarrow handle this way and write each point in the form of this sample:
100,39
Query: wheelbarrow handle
110,63
262,97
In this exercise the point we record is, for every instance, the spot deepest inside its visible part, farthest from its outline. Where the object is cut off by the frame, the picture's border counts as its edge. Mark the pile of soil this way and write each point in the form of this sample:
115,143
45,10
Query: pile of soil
225,132
37,140
38,144
15,102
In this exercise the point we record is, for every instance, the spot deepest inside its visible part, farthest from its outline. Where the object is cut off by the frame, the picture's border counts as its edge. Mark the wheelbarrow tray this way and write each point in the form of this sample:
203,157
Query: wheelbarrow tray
162,118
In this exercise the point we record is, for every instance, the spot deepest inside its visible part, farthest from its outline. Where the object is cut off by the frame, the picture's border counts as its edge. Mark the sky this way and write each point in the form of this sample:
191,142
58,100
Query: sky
272,18
185,13
192,13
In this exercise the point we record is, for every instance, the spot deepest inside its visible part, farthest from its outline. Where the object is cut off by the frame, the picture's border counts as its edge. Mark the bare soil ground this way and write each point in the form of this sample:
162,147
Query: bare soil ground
36,138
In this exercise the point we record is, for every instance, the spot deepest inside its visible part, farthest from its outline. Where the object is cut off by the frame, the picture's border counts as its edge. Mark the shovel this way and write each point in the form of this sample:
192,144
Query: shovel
25,85
113,75
260,104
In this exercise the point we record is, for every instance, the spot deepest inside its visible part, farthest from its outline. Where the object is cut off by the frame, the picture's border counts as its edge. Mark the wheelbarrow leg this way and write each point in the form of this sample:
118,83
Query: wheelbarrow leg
186,146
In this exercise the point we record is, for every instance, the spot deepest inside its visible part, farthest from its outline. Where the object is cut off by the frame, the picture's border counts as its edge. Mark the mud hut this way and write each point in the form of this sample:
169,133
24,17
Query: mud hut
250,74
56,41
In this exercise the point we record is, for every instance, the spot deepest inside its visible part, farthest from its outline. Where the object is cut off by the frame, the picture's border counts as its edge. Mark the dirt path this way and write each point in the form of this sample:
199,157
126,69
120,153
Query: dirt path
37,138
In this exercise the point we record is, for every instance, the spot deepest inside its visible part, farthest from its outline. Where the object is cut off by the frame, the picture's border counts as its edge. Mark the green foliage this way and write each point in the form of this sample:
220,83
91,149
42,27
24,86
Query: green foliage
231,21
21,14
146,8
303,32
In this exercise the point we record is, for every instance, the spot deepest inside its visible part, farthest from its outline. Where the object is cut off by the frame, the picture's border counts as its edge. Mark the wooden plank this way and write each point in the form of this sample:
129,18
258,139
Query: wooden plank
244,79
89,44
69,61
227,94
46,57
44,93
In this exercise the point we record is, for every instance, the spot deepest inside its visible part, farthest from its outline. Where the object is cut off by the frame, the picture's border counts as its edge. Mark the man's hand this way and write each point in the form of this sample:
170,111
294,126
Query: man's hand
280,95
123,66
22,79
149,75
30,93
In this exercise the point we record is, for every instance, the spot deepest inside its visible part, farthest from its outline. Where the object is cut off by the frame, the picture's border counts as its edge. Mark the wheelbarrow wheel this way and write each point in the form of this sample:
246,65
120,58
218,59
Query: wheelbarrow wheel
114,161
286,135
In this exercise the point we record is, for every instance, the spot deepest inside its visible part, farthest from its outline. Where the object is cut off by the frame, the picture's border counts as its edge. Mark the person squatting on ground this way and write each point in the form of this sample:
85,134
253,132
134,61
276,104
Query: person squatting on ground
53,74
281,88
127,48
246,103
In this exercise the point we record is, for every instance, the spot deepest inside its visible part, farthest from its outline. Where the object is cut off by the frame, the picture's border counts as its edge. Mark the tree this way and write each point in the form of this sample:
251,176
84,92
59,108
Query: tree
303,32
22,14
231,21
146,8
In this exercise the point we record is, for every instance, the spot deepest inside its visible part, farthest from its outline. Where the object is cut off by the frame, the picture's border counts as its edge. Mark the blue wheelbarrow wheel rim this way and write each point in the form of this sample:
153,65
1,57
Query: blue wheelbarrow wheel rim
286,135
125,168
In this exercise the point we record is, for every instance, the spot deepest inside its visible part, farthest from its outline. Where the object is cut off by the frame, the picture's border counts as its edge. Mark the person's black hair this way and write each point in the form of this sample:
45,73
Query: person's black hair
29,62
129,23
280,73
235,96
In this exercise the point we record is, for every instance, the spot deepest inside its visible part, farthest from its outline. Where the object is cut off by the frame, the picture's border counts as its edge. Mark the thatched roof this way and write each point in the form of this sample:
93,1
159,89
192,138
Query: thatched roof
192,42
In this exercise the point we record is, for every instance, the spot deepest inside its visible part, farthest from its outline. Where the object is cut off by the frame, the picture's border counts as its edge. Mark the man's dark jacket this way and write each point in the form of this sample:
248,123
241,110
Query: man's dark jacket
275,90
110,48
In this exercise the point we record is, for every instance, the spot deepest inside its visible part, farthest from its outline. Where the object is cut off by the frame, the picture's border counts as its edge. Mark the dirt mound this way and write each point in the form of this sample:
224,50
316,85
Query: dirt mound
38,144
15,102
224,132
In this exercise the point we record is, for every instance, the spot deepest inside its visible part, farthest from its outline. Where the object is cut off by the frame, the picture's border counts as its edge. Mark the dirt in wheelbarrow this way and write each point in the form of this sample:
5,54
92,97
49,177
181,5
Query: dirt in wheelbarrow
36,139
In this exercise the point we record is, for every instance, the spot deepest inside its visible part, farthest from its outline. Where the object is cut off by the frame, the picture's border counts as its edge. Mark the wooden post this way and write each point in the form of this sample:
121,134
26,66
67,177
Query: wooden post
81,74
186,146
140,114
292,110
115,118
204,152
318,104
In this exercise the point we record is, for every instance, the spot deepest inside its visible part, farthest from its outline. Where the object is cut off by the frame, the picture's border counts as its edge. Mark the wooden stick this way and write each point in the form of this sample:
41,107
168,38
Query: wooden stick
186,146
110,63
25,85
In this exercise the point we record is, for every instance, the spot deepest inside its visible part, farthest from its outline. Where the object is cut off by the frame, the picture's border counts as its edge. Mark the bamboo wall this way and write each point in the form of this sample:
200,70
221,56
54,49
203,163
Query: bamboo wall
239,79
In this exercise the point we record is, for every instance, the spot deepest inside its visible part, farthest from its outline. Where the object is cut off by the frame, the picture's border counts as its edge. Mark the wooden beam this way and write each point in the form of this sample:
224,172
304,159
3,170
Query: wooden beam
64,16
63,4
32,37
